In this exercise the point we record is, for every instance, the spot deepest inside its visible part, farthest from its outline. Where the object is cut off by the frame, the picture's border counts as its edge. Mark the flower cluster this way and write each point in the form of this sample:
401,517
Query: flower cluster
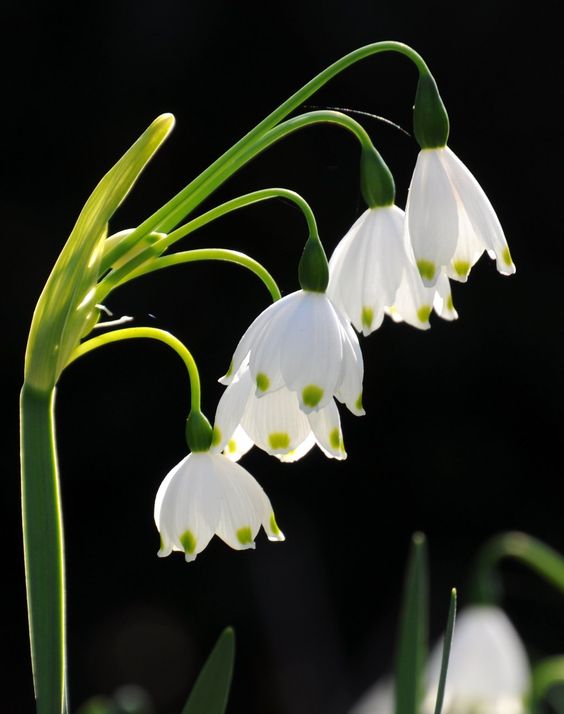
302,355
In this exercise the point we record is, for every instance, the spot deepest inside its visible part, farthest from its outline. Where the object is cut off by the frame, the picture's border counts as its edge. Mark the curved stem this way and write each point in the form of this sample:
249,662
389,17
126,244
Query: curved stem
152,333
192,256
529,551
43,549
139,265
222,174
180,205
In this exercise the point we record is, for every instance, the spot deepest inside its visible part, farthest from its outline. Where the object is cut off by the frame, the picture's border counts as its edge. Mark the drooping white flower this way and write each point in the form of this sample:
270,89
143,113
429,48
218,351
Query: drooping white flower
274,422
488,670
373,272
450,220
304,344
207,494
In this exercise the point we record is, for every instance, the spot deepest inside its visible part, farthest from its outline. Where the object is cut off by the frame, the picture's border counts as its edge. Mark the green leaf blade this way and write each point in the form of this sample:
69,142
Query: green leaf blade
449,631
411,653
67,301
210,692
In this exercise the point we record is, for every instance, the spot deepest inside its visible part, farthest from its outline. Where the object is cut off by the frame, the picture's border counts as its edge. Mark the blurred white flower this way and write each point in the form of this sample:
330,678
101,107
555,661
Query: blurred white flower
373,272
450,220
488,671
274,422
303,343
207,494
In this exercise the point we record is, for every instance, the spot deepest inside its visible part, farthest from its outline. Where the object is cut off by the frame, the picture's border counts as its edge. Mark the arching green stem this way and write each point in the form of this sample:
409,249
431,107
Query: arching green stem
529,551
151,333
229,256
147,257
203,185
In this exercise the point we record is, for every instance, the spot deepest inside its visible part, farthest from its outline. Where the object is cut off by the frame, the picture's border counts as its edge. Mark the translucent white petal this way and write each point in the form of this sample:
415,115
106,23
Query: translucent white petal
326,426
349,388
252,336
366,270
442,302
487,659
312,351
238,445
414,301
187,506
231,407
275,422
431,215
244,505
265,357
299,451
469,248
379,699
481,215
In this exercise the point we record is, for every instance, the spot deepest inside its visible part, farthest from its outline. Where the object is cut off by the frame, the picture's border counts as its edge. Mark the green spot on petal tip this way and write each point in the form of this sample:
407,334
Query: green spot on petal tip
230,370
216,436
231,446
426,269
461,268
367,317
358,403
335,438
449,302
311,395
424,312
188,542
506,255
274,526
263,382
279,440
244,535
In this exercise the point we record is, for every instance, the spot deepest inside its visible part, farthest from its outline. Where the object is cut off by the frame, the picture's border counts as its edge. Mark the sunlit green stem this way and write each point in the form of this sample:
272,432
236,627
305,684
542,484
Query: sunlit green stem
43,548
229,256
529,551
180,205
152,333
546,674
201,189
147,257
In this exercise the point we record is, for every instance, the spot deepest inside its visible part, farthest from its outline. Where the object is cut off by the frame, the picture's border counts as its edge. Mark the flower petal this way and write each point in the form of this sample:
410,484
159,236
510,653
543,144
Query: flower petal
230,408
431,214
326,425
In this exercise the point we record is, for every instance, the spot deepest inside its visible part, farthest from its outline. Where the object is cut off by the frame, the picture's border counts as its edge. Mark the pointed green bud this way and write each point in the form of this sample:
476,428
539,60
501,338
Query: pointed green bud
313,270
430,118
376,181
199,432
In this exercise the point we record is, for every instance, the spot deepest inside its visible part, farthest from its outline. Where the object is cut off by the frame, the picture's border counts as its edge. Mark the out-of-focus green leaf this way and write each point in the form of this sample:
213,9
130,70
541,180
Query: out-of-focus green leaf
411,653
66,306
548,682
446,652
211,690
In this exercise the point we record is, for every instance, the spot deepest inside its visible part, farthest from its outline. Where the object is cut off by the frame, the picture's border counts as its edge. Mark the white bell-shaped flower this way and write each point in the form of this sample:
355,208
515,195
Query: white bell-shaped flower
373,272
274,422
304,344
488,670
207,494
450,220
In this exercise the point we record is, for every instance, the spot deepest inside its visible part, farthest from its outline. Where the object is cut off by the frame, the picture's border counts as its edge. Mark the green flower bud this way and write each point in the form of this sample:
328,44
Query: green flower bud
313,270
376,181
430,118
199,432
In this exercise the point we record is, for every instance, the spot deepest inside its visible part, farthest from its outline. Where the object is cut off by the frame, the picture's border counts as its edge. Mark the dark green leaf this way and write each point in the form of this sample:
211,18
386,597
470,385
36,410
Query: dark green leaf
209,694
446,652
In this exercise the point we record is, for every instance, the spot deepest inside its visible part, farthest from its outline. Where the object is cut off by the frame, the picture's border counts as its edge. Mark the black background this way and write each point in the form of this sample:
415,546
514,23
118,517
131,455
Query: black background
462,436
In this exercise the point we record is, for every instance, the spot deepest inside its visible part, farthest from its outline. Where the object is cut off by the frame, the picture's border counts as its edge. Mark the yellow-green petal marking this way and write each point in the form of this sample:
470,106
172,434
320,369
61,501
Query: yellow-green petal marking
263,382
427,269
245,535
279,440
188,542
311,395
